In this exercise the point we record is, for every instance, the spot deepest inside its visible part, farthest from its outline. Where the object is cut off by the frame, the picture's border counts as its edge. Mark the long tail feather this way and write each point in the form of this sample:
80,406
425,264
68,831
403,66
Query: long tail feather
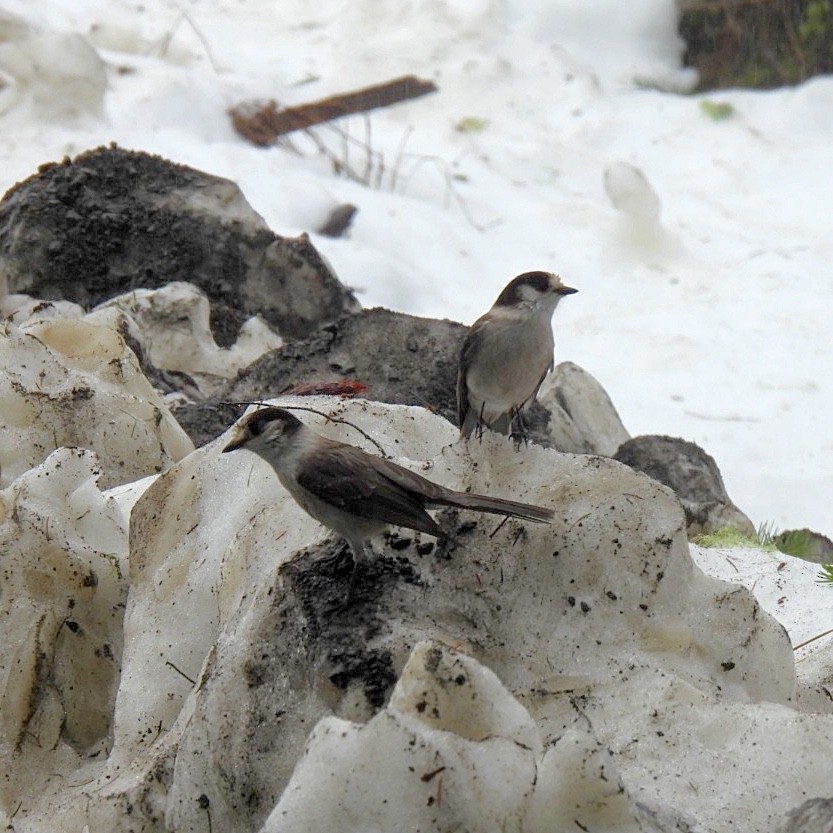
497,506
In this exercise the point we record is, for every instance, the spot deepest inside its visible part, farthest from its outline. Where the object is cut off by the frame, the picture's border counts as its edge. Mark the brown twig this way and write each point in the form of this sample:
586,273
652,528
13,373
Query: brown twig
263,123
328,417
812,639
180,672
340,421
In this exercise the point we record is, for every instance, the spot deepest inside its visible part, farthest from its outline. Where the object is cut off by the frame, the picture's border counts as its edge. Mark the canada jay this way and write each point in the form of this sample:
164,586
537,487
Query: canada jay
354,493
507,354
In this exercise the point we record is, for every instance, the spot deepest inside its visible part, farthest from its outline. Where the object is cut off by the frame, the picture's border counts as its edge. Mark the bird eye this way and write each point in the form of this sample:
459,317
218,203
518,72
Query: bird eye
258,422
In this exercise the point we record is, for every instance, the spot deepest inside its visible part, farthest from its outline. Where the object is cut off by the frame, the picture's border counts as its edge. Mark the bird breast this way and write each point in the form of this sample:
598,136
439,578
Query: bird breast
512,358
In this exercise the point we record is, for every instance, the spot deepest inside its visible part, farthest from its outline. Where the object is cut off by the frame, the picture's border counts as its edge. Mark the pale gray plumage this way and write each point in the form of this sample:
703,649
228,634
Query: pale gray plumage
507,353
354,493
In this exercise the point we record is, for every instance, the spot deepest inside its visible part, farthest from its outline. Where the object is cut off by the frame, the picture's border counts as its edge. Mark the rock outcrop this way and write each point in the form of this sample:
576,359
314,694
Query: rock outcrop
113,220
582,420
397,358
693,475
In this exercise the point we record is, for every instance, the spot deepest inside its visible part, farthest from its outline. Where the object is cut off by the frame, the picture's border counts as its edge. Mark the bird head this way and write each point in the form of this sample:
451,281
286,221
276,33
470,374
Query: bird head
534,290
264,429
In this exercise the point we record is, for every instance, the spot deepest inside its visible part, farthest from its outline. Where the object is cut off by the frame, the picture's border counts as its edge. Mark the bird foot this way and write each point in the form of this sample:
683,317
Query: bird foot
518,438
350,596
518,431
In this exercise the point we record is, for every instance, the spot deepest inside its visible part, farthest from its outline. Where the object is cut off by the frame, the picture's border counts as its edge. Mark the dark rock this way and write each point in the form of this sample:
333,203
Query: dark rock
693,476
401,359
113,220
205,421
339,220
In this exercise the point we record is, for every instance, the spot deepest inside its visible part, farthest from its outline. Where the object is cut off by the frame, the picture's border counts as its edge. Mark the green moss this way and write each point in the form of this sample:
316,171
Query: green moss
729,537
471,124
816,23
797,542
716,110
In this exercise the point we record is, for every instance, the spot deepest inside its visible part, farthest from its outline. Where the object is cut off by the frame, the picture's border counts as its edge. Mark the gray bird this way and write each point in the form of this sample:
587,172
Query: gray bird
507,354
354,493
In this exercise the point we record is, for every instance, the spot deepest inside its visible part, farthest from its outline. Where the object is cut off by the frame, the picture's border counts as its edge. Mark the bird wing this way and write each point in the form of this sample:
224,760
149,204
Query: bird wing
471,346
534,395
435,495
370,487
394,487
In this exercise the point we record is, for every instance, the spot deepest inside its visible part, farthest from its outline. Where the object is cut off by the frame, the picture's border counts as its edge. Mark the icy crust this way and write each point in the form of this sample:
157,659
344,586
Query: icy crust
169,325
63,557
70,382
172,323
521,676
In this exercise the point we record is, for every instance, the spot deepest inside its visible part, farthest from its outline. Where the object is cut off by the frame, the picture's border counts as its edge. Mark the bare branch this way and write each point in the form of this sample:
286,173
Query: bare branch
262,123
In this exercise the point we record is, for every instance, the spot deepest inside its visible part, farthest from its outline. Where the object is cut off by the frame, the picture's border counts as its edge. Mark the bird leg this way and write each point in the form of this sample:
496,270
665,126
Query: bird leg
481,423
518,431
360,550
340,605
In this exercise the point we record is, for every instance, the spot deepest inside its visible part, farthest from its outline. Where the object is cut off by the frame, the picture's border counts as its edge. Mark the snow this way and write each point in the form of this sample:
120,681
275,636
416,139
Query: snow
703,317
788,589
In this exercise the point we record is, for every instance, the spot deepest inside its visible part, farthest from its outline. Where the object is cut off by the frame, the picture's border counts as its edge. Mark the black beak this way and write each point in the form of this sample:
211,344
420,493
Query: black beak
566,290
233,446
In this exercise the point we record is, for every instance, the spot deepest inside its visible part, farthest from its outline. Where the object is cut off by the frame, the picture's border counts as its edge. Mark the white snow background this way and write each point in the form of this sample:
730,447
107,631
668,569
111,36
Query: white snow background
705,293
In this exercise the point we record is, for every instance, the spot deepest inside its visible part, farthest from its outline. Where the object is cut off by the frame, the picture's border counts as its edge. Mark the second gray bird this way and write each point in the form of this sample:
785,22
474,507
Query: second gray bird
354,493
507,354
